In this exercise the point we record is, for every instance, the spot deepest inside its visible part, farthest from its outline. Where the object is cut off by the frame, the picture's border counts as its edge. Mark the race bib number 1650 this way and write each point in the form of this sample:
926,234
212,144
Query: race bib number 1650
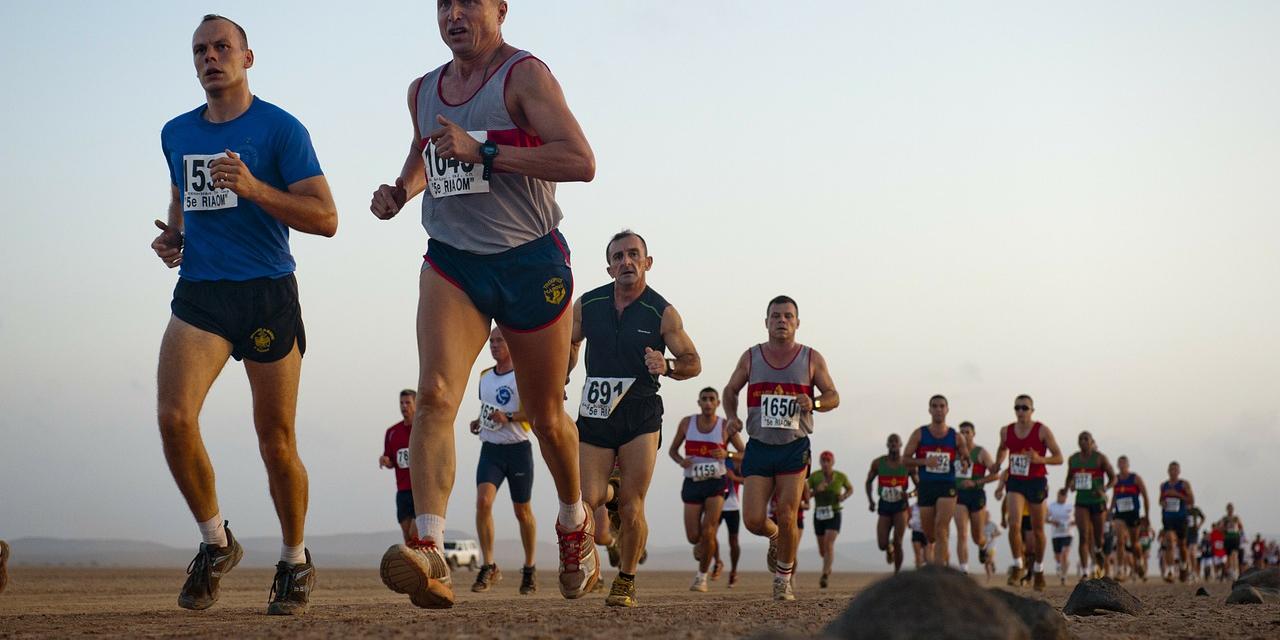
779,412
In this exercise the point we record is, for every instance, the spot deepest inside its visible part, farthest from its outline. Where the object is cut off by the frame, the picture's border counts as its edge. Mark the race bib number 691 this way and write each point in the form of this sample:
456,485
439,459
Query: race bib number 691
198,192
600,396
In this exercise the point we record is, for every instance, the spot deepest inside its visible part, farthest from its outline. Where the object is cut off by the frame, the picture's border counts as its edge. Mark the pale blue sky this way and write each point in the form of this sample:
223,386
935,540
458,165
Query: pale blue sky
1074,201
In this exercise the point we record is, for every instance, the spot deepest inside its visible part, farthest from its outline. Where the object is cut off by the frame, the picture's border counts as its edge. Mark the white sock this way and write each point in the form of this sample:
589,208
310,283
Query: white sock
572,514
785,569
701,575
964,568
1036,568
293,555
431,527
212,532
1017,562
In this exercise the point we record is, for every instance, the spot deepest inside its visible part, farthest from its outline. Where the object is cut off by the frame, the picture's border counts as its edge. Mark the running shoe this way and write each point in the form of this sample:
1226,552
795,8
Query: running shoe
4,562
1038,583
716,569
622,593
822,582
291,588
782,589
771,558
528,581
699,583
733,579
1015,576
579,563
205,572
419,570
488,575
888,552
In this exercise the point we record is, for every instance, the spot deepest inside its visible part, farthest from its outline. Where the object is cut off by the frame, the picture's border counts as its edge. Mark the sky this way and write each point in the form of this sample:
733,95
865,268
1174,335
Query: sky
979,199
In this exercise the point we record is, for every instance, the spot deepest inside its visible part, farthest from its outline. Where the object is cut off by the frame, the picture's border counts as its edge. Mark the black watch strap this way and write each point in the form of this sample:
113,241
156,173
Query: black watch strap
488,151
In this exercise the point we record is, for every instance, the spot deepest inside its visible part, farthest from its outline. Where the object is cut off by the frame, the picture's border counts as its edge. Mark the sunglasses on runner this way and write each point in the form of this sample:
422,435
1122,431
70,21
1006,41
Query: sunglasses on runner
1021,407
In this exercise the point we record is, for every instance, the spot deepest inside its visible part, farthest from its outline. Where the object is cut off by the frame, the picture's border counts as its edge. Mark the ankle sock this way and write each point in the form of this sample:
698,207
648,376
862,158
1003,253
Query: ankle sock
293,555
572,514
212,531
431,527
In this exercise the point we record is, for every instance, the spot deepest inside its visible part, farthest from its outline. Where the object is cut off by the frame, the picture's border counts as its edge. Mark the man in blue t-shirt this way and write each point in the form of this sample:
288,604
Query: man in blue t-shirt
243,173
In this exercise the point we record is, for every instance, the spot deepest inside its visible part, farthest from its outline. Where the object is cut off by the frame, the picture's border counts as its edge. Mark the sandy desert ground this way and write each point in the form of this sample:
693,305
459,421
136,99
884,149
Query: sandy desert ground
67,602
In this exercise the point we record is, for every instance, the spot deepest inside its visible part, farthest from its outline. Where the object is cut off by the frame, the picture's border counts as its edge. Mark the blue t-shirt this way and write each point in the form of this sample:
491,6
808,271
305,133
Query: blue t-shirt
230,238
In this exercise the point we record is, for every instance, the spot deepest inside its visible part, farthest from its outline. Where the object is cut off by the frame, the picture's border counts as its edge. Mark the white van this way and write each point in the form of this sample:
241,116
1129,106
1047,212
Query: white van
462,553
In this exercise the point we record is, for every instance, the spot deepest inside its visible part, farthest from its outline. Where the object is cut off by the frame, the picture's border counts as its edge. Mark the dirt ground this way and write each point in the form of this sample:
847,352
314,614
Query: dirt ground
65,602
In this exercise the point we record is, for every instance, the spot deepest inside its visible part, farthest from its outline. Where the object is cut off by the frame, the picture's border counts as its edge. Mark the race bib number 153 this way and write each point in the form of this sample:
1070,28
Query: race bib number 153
198,193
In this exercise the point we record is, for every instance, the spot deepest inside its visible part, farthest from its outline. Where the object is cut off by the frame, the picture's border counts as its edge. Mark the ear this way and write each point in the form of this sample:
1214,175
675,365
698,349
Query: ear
648,263
248,58
502,12
609,270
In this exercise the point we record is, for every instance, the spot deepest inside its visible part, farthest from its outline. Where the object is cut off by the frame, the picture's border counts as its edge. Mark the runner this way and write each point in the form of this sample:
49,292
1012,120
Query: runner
494,255
243,173
780,408
627,327
705,441
932,451
971,498
1085,471
731,517
505,454
991,532
1195,519
1129,501
1213,552
1061,517
1233,533
1145,537
919,544
1258,550
1175,498
829,489
1025,442
395,455
890,475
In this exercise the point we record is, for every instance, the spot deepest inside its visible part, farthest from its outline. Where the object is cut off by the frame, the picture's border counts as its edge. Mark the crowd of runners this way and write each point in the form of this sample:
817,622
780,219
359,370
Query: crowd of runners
492,134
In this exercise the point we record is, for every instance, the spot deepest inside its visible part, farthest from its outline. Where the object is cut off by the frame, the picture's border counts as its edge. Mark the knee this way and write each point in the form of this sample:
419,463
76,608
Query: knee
176,424
524,513
436,396
277,450
631,508
756,524
484,503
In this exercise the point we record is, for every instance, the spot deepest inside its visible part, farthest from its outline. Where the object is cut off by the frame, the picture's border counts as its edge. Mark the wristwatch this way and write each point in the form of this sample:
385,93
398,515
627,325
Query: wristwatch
671,367
817,404
488,151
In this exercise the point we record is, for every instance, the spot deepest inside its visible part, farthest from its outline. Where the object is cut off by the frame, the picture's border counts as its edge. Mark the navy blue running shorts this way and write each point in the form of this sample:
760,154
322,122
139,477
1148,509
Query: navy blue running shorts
512,462
525,289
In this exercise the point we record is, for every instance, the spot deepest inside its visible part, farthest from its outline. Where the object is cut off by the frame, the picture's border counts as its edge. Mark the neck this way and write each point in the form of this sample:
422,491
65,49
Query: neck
408,422
477,61
935,424
1025,424
228,104
782,343
894,456
624,295
504,366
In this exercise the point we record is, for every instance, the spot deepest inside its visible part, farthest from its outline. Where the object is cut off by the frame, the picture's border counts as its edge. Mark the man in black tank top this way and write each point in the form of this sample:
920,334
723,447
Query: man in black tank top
627,327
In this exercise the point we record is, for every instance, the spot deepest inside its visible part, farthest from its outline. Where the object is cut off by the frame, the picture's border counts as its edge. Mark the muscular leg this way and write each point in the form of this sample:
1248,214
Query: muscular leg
486,492
1038,513
962,534
1084,531
541,358
528,530
275,403
692,523
883,525
408,528
788,488
828,545
190,360
900,520
635,461
1013,509
707,536
757,491
451,332
944,509
596,464
978,527
735,552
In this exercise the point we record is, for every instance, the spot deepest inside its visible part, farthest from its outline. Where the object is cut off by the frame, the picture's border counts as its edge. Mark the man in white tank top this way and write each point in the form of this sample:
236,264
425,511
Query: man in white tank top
705,441
783,375
499,135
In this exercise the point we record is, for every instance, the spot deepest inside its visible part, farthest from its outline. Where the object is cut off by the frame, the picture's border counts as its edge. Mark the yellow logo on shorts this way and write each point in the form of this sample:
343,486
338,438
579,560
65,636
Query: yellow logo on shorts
262,339
553,291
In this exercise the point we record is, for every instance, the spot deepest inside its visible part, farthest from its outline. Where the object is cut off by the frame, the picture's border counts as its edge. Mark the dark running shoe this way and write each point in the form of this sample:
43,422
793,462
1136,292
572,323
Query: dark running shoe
528,581
291,588
205,572
488,575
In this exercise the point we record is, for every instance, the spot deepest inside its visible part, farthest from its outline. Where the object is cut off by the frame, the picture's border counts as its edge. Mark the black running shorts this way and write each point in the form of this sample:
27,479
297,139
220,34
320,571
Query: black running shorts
261,318
524,289
511,462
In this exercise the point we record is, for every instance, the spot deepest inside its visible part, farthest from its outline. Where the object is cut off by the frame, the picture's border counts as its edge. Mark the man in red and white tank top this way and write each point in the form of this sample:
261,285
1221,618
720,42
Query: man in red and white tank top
783,376
492,135
1026,443
706,446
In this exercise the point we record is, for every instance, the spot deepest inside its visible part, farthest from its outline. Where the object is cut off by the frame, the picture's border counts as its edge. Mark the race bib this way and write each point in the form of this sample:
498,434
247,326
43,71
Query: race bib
891,494
600,396
938,462
402,458
486,417
964,470
1125,503
198,193
779,412
826,512
1020,464
451,177
1172,505
1083,480
705,470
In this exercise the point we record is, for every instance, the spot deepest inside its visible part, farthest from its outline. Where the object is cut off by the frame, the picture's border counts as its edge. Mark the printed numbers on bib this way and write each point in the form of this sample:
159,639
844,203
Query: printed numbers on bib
705,471
1020,464
964,470
486,417
600,396
1125,504
198,193
891,494
451,177
1083,480
779,412
825,512
938,462
1172,505
402,458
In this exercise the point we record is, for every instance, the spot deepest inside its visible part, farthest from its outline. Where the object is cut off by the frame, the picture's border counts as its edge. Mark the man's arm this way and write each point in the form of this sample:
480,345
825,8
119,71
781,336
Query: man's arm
688,364
676,441
306,205
1146,500
1191,496
575,340
388,200
828,397
735,439
540,108
1001,452
871,478
737,380
909,452
1052,443
168,245
992,474
1111,474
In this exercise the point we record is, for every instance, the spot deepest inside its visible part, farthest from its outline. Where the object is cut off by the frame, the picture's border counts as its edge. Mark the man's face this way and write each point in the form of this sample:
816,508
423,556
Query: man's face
1174,470
219,56
1124,465
827,463
407,405
782,320
1231,509
628,261
1085,441
967,432
708,402
895,446
1022,408
1062,496
938,410
498,346
468,25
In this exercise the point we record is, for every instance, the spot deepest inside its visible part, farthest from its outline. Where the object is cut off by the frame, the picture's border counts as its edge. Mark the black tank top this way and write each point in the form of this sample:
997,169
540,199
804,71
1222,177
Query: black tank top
616,344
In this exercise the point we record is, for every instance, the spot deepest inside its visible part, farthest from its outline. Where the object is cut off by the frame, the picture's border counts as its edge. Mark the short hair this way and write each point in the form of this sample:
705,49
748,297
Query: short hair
781,300
939,396
1025,397
625,233
409,392
1122,457
711,390
966,423
209,17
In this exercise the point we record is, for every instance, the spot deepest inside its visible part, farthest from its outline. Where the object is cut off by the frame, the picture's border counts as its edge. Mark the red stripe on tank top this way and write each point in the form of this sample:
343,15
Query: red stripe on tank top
756,389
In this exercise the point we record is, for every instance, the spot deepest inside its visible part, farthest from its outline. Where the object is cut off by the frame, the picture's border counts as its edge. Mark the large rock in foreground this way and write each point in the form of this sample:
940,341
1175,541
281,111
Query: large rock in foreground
1261,578
1044,622
929,603
1092,597
1256,586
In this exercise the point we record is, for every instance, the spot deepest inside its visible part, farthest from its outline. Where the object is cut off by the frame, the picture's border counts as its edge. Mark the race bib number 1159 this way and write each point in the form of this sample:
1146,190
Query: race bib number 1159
198,192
